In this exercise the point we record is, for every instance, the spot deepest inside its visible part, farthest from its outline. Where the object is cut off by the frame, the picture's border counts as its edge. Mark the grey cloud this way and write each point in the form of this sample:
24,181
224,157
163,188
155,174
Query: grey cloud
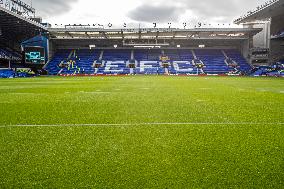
225,9
163,11
47,8
152,13
205,10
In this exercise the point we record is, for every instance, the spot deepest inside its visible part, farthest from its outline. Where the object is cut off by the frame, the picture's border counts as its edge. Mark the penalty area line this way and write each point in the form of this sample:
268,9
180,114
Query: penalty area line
131,124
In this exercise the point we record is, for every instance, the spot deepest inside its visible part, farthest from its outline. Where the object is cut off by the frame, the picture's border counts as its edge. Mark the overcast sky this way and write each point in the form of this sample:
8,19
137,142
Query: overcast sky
145,12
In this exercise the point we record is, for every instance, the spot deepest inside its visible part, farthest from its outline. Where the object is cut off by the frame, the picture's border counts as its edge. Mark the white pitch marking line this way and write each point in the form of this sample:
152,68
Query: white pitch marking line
134,124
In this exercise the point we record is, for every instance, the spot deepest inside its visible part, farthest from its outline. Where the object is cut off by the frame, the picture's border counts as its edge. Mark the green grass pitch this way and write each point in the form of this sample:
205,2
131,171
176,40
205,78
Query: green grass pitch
142,132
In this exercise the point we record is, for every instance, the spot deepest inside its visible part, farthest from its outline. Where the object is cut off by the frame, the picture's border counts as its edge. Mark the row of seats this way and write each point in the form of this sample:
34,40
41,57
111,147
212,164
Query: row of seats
7,73
147,54
9,55
60,56
213,61
239,59
155,67
113,67
11,73
146,61
183,67
275,70
84,60
117,55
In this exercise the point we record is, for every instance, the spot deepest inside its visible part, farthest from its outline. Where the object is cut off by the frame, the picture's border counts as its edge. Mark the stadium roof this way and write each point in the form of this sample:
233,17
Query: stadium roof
152,33
16,28
266,11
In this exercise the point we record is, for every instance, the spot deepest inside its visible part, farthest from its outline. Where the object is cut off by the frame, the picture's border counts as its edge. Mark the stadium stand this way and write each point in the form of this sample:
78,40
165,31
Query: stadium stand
114,67
12,73
69,47
147,61
154,54
114,62
116,55
182,67
86,59
275,70
185,55
236,56
213,61
148,67
24,72
60,56
141,55
6,73
173,54
79,62
9,55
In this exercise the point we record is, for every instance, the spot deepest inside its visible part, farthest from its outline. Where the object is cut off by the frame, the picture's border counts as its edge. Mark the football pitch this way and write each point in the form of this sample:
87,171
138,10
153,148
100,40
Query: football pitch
142,132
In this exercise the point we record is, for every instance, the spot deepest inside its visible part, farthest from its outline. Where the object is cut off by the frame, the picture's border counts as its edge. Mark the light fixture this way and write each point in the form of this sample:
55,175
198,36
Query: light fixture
148,46
92,46
155,25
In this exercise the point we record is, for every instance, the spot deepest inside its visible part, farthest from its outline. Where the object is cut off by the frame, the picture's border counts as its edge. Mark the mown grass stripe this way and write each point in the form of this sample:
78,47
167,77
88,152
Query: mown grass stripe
136,124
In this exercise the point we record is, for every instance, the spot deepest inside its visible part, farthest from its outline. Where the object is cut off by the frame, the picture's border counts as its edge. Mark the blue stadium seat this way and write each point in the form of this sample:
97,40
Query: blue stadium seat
114,68
147,61
241,61
214,61
117,55
7,73
183,67
148,67
84,60
275,70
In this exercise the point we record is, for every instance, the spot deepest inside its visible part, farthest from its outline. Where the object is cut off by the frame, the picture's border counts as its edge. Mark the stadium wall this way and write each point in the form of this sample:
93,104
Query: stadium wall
277,24
241,45
51,49
244,49
262,39
277,50
277,45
